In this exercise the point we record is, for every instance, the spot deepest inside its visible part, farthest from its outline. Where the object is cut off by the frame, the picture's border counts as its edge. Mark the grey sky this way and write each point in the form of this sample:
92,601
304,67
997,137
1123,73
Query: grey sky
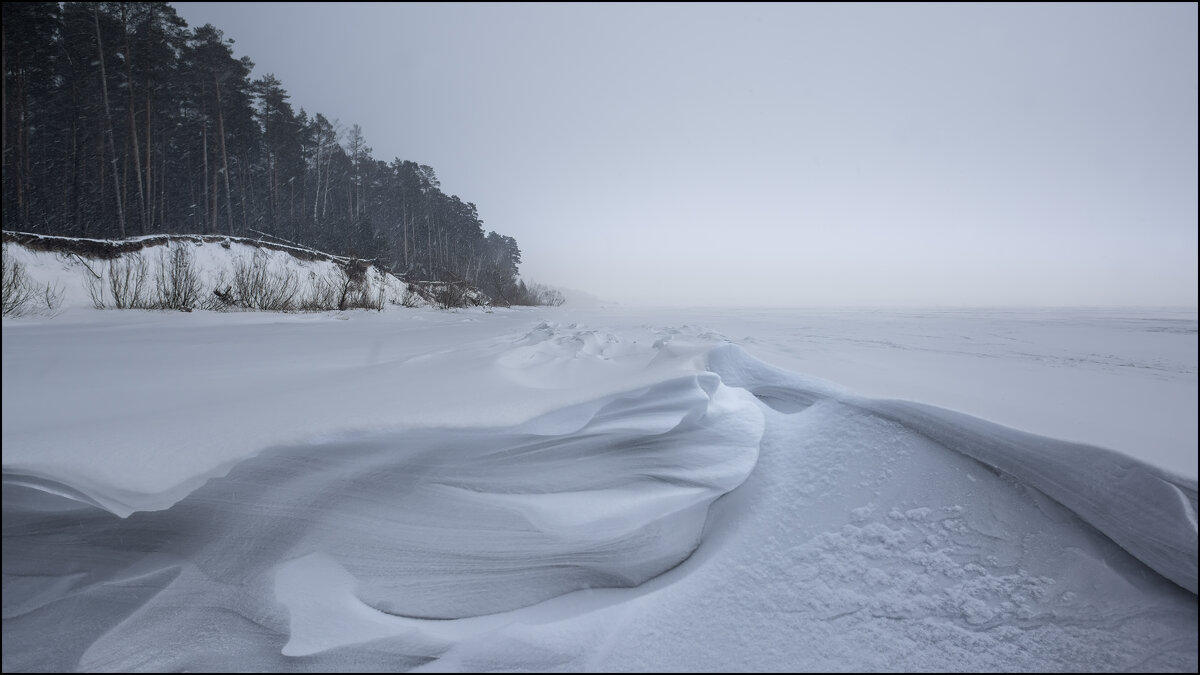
792,154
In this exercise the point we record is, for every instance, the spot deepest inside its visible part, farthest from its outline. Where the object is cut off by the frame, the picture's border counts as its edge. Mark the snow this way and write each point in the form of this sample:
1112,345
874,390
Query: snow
597,488
214,257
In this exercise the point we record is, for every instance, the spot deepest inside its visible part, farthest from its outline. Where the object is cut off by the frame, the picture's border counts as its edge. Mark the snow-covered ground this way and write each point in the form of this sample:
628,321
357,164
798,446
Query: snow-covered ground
599,488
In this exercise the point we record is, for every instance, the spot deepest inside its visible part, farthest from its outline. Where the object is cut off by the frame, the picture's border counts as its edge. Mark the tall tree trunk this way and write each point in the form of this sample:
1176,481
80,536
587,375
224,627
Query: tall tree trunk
112,146
133,134
22,162
213,206
317,185
76,212
224,155
162,187
273,194
325,197
4,108
243,190
295,227
149,184
101,172
4,131
210,196
137,162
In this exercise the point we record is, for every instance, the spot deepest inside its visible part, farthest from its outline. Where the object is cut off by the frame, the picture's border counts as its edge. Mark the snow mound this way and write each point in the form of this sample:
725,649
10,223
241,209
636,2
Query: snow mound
1148,511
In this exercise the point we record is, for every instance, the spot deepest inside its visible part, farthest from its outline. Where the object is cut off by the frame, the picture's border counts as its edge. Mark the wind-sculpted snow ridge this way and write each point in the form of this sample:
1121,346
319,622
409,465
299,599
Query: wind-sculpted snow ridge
434,524
1146,510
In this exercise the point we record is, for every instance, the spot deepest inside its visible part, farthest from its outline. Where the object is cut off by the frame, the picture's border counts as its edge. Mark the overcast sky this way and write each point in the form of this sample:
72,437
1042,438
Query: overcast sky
785,154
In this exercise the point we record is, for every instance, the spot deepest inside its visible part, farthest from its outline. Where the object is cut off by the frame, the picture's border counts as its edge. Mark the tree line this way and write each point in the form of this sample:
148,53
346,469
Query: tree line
120,120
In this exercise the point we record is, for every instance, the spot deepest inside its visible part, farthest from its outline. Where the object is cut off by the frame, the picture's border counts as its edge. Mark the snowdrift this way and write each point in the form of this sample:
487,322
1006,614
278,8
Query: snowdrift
468,492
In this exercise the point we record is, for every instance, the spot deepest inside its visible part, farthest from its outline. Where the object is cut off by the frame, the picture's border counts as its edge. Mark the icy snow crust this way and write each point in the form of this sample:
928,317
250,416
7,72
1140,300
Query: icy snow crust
422,490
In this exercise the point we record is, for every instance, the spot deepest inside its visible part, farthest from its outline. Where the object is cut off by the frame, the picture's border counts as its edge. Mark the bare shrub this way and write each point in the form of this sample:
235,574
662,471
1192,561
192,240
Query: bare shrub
410,298
344,288
176,281
93,281
507,292
127,282
22,295
366,295
17,294
356,290
544,295
451,295
221,297
259,285
325,292
416,293
51,298
220,300
95,289
347,285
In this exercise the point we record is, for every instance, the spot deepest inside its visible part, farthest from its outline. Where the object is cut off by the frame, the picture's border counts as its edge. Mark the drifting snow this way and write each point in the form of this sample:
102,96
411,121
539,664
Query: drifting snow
513,490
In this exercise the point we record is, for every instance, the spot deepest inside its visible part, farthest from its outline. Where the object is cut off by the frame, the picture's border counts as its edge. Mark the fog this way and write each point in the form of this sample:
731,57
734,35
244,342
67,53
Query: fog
720,154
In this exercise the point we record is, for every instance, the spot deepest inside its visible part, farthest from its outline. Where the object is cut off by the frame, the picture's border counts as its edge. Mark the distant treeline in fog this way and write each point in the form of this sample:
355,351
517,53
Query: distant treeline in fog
120,120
